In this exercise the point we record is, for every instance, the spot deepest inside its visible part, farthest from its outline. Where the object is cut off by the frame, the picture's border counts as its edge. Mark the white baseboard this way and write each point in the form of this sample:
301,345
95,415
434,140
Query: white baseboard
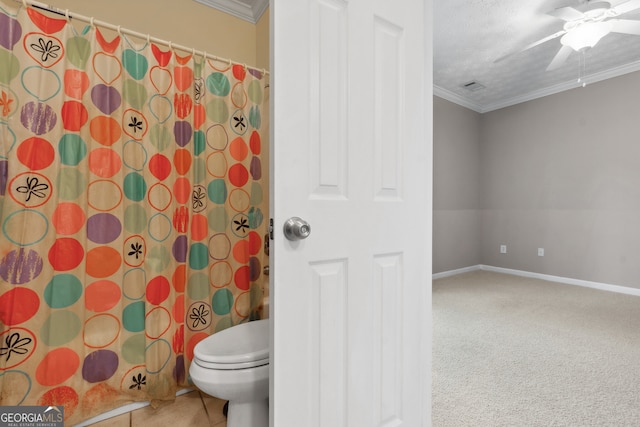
122,410
548,277
455,272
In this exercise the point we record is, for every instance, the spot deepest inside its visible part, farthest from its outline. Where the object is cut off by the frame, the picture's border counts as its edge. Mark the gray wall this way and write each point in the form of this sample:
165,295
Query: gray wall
561,173
456,186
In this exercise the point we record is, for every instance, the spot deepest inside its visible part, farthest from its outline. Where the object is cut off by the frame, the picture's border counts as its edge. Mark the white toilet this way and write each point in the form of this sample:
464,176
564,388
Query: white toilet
233,365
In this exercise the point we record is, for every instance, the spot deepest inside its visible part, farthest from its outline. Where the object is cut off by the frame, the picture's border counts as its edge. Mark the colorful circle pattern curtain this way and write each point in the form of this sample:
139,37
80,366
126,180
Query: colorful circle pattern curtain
133,190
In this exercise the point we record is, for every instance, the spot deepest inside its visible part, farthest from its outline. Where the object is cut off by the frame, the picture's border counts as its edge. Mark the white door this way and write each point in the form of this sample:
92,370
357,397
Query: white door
351,98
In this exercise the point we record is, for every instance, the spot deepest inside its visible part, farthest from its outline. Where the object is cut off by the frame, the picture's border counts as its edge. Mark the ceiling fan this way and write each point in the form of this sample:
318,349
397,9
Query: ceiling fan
585,25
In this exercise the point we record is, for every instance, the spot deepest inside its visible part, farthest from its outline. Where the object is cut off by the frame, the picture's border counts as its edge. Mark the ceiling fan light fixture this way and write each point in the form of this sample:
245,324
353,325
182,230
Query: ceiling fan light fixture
586,35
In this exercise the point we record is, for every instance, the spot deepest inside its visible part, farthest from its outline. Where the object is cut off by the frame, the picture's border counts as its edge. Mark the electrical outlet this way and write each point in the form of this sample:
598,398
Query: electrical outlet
540,251
503,249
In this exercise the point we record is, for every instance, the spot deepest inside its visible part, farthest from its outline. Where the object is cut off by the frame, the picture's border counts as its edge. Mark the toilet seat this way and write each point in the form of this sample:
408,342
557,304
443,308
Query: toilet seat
239,347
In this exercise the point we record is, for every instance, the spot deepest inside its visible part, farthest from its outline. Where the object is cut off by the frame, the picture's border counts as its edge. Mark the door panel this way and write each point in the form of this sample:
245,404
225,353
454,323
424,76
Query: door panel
351,319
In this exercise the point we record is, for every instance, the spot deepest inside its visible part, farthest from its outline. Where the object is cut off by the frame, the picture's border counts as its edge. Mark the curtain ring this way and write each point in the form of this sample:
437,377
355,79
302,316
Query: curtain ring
148,38
91,22
66,15
204,55
119,30
170,46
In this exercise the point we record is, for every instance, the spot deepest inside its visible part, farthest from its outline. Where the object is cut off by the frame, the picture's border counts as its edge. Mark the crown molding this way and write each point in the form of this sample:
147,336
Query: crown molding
456,99
551,90
248,10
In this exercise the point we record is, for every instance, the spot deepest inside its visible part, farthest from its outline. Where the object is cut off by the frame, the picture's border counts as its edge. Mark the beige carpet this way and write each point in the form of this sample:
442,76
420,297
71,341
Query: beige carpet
514,351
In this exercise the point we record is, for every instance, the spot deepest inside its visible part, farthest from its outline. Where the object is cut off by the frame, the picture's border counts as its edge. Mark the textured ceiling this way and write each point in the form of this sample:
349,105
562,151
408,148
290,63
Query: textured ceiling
469,35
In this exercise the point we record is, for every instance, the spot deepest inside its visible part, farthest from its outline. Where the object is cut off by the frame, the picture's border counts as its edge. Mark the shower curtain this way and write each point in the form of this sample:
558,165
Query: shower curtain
133,208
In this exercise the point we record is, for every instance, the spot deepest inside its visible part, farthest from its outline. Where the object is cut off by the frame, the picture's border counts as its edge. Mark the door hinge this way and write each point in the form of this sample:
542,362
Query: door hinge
271,228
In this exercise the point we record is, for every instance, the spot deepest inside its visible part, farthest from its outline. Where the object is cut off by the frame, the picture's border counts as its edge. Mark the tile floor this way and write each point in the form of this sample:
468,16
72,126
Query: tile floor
193,409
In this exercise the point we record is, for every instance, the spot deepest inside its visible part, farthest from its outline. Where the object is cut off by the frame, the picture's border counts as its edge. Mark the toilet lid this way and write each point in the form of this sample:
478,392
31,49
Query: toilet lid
241,346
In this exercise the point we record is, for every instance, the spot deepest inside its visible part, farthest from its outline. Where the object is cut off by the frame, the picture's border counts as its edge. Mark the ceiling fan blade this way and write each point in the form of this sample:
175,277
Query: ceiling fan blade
625,26
567,13
560,57
534,44
626,7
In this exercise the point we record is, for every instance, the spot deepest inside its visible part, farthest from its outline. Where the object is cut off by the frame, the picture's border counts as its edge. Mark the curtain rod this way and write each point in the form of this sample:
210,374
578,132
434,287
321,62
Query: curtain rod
120,30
